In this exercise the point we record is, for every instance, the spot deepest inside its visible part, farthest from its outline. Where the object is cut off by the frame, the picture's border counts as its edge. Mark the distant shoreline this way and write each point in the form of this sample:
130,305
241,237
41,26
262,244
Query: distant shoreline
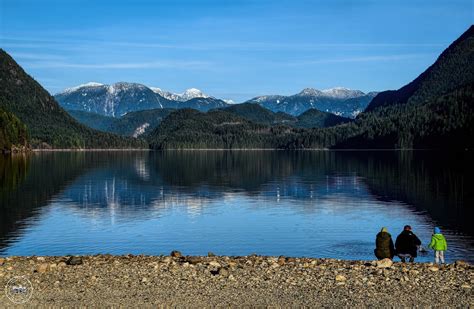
235,149
89,149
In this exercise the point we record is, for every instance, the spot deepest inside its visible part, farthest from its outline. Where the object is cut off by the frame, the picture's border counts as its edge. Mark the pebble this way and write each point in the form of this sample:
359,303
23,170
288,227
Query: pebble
461,263
385,263
232,264
42,268
223,272
214,264
340,278
176,253
74,260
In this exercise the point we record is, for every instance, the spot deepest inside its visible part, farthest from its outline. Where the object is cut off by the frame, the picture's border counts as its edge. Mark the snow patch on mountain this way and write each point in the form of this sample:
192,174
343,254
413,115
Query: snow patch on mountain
192,93
336,92
140,130
166,94
267,98
342,93
188,94
89,84
310,92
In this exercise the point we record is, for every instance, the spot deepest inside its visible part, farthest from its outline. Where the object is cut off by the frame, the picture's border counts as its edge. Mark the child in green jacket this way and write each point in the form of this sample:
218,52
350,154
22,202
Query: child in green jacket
439,245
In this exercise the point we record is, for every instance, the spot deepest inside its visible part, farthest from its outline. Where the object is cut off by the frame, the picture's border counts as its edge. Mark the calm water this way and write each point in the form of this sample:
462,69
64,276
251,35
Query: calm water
319,204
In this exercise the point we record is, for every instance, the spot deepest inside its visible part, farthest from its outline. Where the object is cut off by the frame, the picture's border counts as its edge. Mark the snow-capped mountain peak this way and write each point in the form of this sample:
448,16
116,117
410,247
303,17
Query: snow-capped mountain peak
188,94
192,93
342,93
336,92
310,92
111,100
124,86
89,84
156,90
166,94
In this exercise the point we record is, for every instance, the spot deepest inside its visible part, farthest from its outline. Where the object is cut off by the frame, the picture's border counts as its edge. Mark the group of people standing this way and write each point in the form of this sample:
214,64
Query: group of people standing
407,245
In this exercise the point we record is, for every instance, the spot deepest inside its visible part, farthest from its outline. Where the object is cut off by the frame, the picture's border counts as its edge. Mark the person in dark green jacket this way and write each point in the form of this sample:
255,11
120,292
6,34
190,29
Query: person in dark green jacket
384,245
439,245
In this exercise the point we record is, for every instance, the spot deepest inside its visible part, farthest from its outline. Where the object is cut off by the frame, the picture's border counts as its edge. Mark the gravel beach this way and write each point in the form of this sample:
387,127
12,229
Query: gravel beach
191,281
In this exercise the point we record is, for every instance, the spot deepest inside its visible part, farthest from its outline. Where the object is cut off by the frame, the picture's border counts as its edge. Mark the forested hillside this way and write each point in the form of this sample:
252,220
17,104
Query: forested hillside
48,124
258,114
311,118
454,68
127,125
314,118
216,129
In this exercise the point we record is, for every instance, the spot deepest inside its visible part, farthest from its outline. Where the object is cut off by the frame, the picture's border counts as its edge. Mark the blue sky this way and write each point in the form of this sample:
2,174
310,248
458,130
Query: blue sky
231,49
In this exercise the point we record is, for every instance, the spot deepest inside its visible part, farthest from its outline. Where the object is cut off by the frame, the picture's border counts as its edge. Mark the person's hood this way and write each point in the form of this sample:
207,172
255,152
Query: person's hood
438,236
437,230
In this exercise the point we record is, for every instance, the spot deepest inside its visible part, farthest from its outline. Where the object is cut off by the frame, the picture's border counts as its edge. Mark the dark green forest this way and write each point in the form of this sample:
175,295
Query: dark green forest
13,133
216,129
312,118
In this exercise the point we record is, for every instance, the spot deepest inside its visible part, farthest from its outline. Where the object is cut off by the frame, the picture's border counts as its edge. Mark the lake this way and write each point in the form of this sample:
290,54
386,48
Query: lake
301,203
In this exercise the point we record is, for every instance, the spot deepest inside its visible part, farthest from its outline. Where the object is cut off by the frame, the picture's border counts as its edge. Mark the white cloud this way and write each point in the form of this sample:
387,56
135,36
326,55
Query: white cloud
85,44
122,65
377,58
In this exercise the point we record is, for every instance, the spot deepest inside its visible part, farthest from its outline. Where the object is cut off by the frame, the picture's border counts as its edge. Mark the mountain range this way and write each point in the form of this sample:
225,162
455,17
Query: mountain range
339,101
120,98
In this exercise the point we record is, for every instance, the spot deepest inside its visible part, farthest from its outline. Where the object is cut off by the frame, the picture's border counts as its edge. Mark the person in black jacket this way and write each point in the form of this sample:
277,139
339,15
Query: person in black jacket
406,245
384,245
